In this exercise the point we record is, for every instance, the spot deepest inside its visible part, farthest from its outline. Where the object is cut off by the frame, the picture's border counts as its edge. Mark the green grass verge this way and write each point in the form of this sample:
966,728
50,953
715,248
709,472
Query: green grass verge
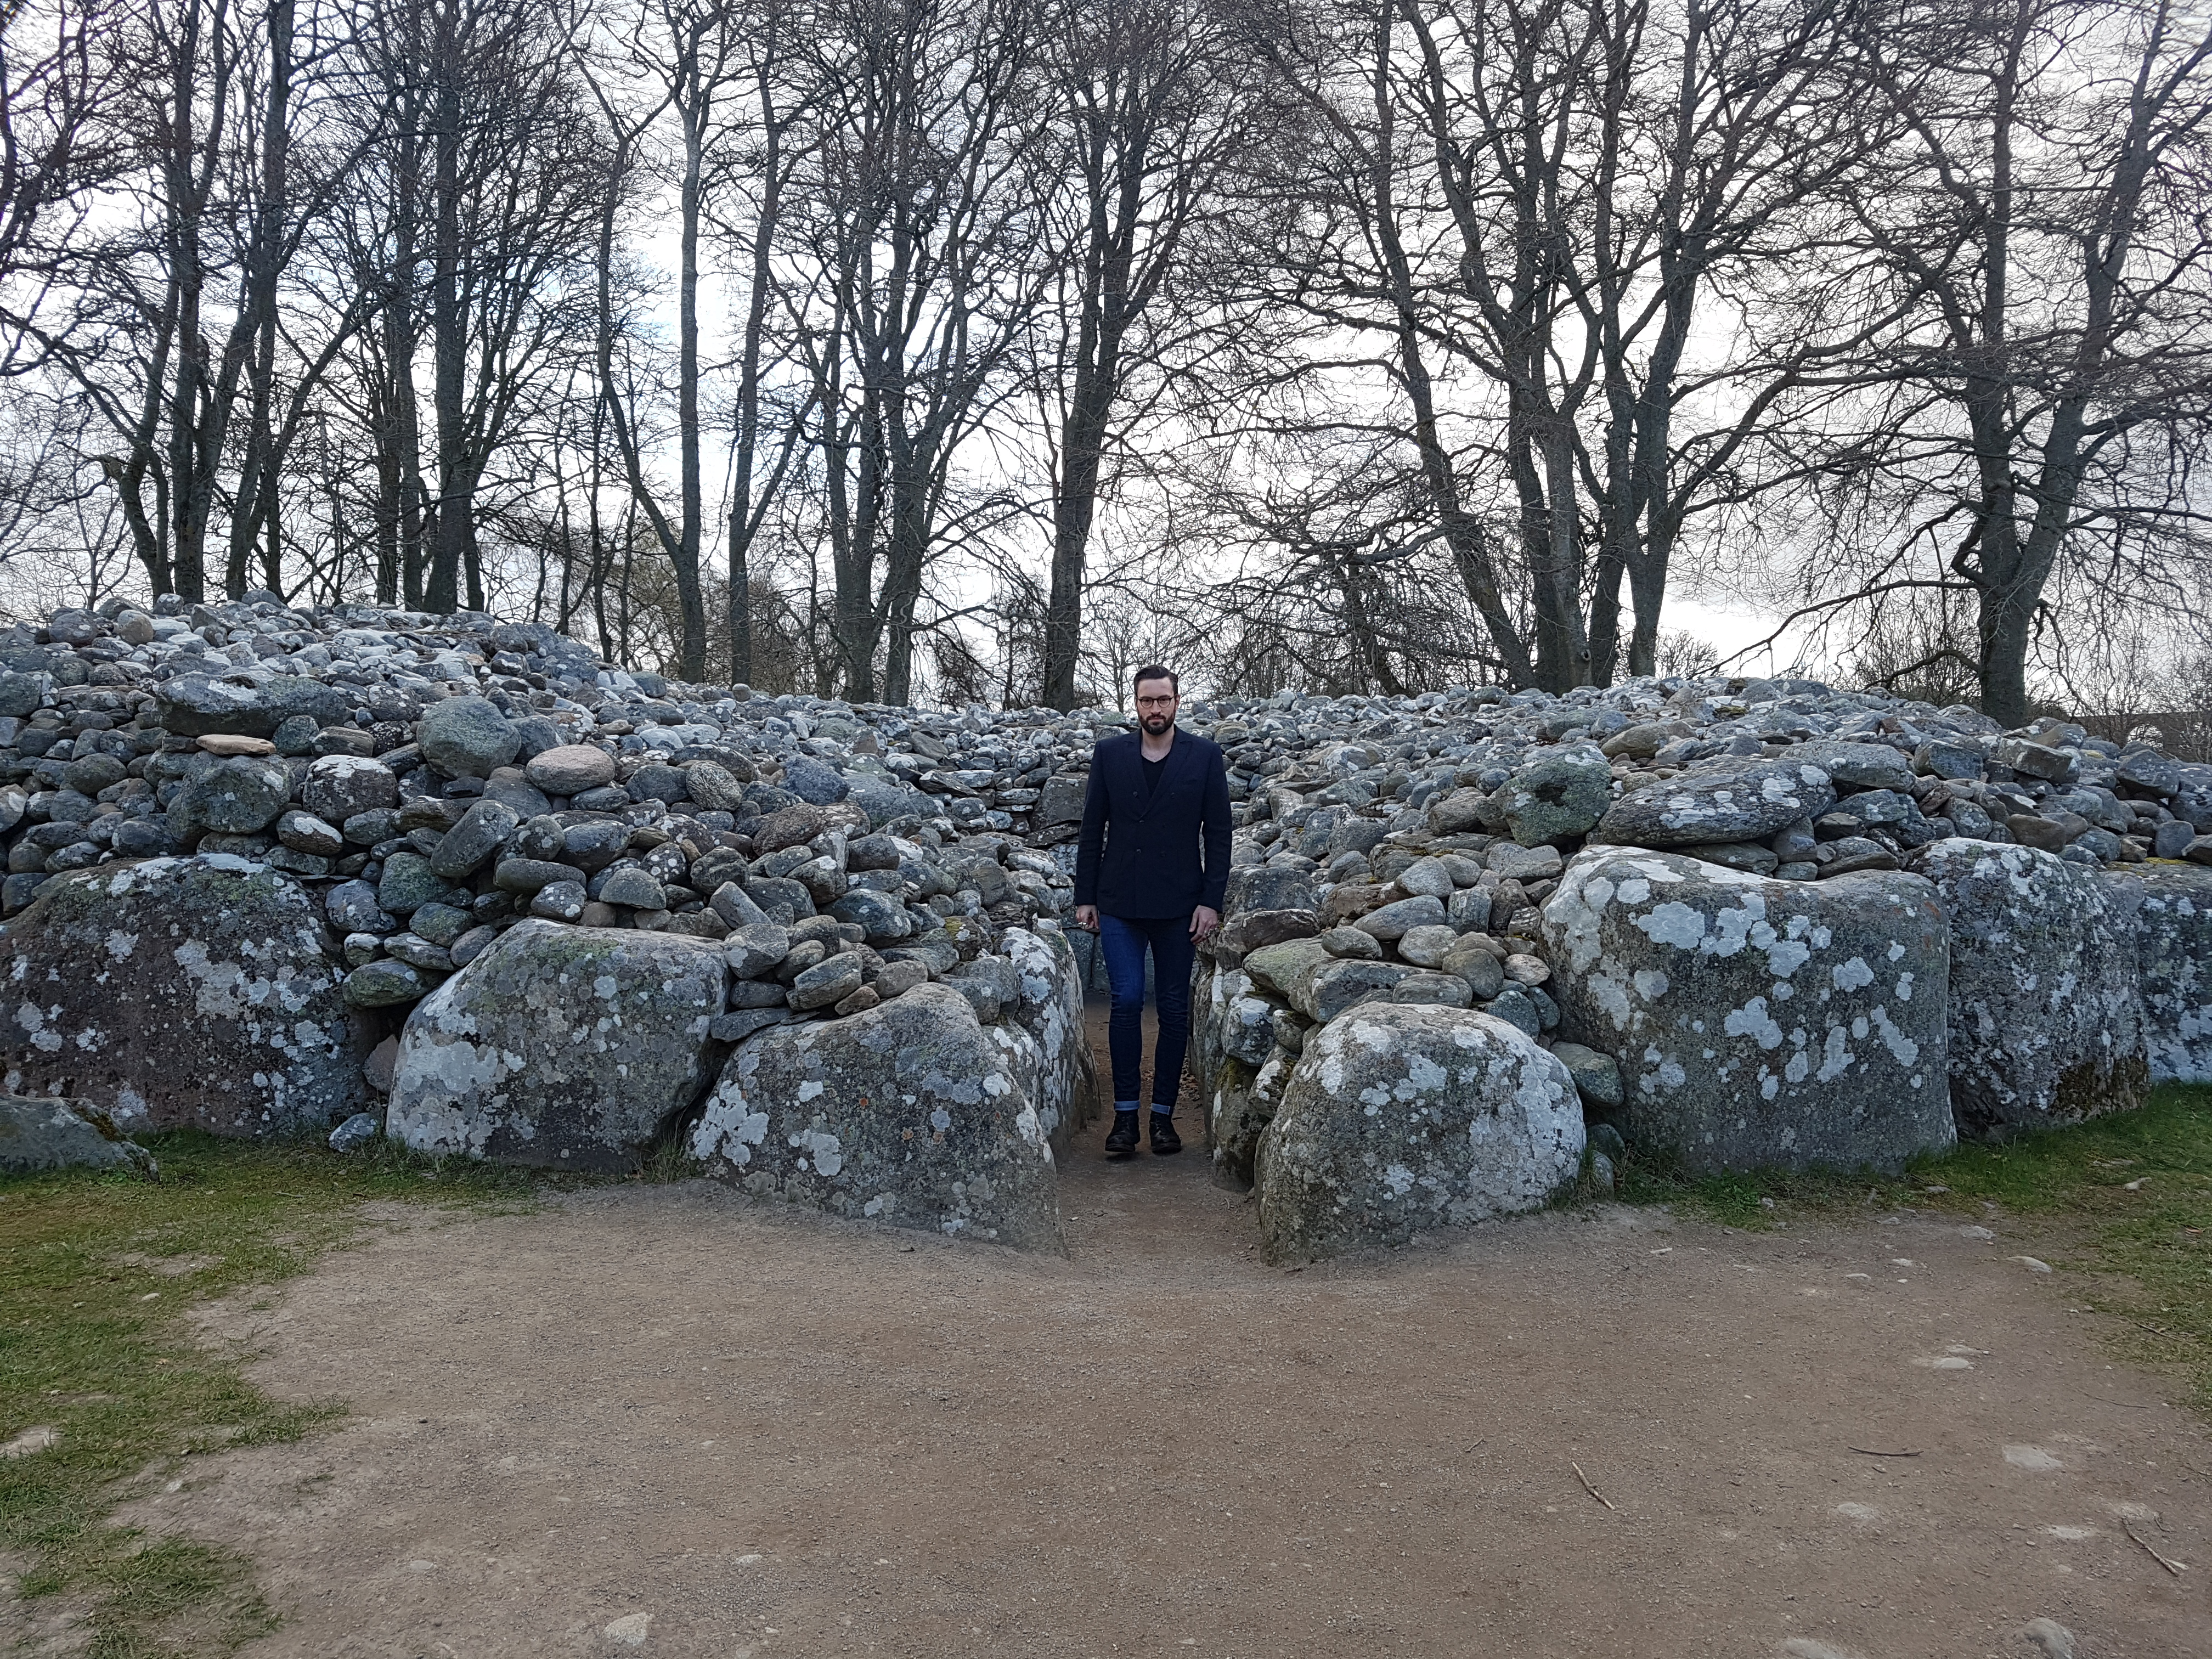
98,1270
2126,1201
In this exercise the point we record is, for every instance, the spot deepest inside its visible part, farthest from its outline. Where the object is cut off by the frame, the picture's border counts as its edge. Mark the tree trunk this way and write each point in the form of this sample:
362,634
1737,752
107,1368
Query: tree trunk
188,501
455,530
1082,444
693,112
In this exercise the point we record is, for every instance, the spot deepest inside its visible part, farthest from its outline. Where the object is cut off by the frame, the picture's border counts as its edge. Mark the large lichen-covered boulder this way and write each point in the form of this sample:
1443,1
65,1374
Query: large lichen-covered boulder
1721,800
2047,1012
908,1113
1049,1007
1398,1120
564,1047
2173,942
1756,1022
198,993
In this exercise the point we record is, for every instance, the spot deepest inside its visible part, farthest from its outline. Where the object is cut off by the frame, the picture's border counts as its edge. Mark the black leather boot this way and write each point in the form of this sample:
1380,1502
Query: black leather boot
1165,1141
1121,1139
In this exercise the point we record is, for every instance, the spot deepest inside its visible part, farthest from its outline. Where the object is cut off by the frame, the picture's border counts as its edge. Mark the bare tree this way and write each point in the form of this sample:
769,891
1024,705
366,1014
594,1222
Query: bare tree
1155,102
920,218
61,82
517,171
2046,221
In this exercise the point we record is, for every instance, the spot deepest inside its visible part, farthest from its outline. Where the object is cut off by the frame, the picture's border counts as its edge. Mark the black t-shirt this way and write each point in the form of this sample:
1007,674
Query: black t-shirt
1154,770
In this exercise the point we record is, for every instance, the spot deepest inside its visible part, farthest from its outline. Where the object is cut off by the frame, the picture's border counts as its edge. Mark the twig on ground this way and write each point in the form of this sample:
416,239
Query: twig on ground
2173,1567
1589,1488
1869,1451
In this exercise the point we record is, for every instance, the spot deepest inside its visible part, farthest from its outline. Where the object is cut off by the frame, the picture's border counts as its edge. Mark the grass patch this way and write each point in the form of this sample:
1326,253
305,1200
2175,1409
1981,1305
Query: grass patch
2131,1195
98,1270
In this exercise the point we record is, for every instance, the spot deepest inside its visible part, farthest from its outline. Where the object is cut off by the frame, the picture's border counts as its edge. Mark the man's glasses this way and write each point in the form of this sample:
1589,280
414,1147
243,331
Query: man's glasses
1156,702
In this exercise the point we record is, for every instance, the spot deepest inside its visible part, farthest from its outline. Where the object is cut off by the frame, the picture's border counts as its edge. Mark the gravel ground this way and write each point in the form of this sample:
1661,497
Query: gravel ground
664,1419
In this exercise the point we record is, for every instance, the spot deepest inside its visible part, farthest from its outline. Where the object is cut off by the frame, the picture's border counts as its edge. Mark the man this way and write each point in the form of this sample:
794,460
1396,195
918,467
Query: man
1150,873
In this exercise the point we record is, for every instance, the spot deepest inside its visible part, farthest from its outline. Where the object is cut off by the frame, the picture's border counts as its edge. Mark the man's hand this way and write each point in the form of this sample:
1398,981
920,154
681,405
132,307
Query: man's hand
1086,917
1203,922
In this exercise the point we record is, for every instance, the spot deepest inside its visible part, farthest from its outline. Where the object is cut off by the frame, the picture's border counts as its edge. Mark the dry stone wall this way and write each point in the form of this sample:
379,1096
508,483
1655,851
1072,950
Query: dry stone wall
456,880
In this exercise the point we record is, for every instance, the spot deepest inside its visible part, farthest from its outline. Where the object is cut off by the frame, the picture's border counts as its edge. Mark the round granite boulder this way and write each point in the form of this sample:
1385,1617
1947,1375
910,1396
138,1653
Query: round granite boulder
907,1114
466,738
570,769
565,1047
1560,795
1398,1120
235,797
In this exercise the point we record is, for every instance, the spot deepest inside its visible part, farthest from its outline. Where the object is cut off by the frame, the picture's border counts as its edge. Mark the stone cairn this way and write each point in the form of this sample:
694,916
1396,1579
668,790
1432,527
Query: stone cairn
272,870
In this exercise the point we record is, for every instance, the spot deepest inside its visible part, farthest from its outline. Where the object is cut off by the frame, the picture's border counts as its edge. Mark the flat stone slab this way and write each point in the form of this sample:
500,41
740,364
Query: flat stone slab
39,1134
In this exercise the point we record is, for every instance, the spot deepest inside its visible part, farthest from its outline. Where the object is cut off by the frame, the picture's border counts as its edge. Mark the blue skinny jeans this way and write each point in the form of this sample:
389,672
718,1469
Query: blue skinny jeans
1125,939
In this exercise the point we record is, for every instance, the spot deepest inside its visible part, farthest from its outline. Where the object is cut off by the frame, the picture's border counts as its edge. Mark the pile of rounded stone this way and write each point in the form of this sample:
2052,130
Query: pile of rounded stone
248,844
438,780
1634,883
314,821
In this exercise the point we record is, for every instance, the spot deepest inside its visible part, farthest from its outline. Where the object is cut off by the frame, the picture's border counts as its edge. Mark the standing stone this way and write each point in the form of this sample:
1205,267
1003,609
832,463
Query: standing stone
2173,936
181,993
2047,1019
1757,1023
907,1113
564,1047
1398,1120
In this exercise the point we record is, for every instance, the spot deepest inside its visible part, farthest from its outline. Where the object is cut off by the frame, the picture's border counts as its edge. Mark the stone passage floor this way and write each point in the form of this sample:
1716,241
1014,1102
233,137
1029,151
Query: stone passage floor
713,1430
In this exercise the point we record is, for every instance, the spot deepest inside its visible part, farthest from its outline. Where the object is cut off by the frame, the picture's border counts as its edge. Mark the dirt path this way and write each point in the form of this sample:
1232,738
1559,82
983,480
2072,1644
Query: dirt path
729,1431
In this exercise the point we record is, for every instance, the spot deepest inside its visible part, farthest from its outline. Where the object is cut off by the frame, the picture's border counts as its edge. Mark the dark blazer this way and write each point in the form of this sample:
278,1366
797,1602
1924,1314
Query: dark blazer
1140,855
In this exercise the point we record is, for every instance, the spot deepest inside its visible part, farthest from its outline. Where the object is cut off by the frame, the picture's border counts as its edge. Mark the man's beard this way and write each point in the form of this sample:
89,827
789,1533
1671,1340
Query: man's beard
1155,724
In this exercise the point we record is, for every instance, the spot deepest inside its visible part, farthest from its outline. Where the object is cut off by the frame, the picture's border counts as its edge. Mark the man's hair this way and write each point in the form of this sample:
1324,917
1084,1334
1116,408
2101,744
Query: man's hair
1154,672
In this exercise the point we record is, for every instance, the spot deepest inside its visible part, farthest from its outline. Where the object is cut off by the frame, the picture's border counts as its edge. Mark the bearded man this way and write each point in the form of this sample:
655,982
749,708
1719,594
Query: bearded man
1150,873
